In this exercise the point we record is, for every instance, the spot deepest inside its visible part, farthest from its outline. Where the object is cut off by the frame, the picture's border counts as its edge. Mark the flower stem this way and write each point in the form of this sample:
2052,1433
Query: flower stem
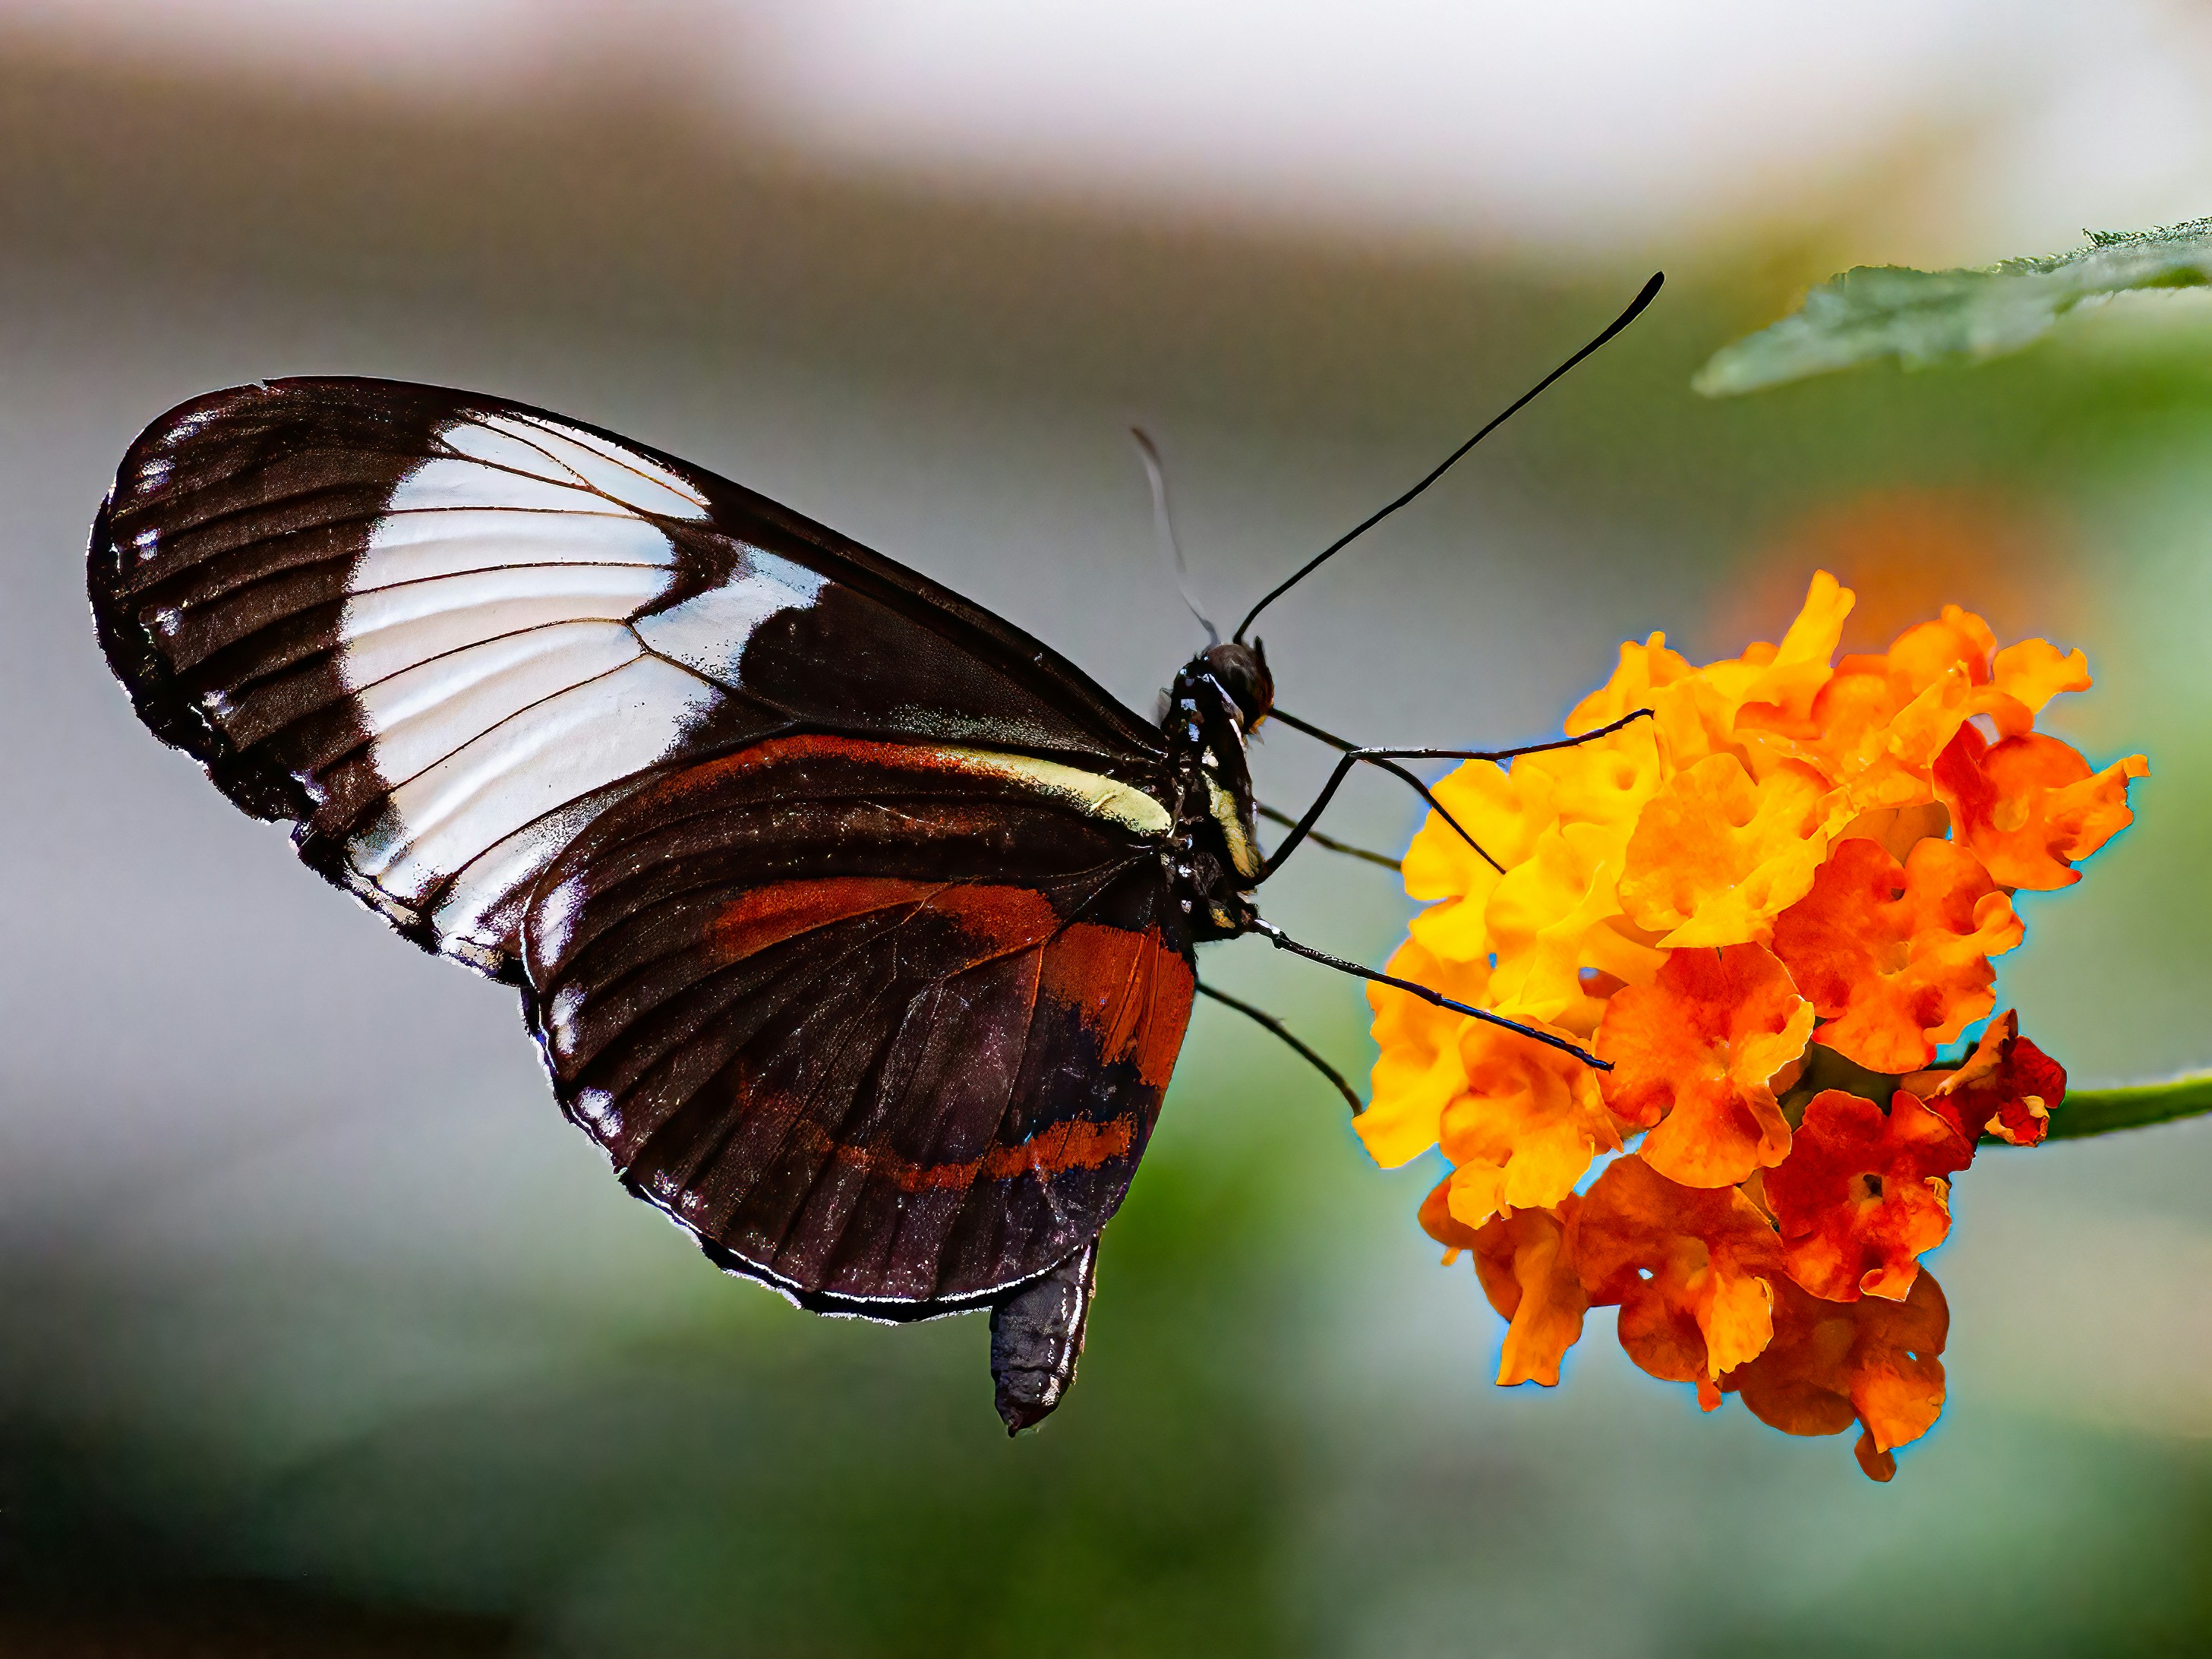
2132,1106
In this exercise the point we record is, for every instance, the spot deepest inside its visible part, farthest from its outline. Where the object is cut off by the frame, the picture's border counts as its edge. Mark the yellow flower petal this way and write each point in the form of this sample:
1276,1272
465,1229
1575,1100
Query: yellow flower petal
1643,668
1800,665
1524,1129
1541,912
1419,1072
1504,814
1716,856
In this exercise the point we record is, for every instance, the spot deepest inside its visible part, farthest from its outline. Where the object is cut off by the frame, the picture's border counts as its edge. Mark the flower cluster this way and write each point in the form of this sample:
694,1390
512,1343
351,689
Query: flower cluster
1767,905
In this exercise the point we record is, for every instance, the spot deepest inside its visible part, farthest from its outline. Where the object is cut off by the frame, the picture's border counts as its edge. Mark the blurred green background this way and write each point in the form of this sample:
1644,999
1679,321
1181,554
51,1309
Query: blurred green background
321,1334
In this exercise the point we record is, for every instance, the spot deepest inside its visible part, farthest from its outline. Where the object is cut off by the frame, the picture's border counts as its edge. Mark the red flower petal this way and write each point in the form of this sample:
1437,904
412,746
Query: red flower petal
1833,1362
1862,1195
2029,806
2008,1088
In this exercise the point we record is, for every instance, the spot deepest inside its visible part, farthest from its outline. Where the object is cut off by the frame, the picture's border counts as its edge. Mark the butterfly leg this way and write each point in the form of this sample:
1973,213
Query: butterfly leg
1272,816
1036,1336
1282,941
1267,1021
1351,754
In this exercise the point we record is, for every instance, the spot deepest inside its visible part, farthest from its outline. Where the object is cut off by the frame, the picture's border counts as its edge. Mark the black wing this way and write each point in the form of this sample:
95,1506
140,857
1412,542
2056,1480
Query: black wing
885,1025
443,633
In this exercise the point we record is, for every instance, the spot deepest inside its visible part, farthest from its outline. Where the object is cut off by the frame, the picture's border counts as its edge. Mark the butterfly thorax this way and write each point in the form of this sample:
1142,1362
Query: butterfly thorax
1212,855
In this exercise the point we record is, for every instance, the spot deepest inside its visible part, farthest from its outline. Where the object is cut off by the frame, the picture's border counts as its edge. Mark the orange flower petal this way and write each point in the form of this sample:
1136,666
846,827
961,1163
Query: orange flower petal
1523,1129
1878,723
1696,717
1783,694
1438,1223
1862,1194
1916,734
1923,654
1689,1268
1850,737
1832,1363
1899,829
1693,1053
2029,806
2034,672
1896,957
1529,1276
2007,1087
1716,856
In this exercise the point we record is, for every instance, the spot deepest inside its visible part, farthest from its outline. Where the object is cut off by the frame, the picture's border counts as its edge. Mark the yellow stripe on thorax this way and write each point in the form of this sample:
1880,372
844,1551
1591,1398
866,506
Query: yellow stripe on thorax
1242,853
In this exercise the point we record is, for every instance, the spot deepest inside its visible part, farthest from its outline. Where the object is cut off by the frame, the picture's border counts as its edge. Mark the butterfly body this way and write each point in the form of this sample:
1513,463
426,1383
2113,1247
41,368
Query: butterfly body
854,924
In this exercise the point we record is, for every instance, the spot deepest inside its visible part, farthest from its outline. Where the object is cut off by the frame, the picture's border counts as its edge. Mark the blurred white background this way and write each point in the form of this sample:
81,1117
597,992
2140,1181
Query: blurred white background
1587,124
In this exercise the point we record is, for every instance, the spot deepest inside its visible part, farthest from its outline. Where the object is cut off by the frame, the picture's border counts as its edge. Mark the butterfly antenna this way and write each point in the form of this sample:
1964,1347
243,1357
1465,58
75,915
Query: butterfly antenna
1163,523
1635,309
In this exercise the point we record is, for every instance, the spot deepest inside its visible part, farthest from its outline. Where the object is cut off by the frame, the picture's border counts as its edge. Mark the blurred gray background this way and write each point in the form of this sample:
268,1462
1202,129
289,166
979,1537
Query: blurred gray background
320,1333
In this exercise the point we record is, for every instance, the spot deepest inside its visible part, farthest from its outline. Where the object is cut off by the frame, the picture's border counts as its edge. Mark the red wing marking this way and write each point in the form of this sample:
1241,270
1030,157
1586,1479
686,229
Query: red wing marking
1128,987
1088,969
901,1076
784,751
1174,985
999,919
768,916
708,774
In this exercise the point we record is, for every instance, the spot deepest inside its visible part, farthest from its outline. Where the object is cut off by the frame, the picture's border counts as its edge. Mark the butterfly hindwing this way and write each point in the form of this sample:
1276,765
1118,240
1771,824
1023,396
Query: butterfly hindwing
887,1025
444,633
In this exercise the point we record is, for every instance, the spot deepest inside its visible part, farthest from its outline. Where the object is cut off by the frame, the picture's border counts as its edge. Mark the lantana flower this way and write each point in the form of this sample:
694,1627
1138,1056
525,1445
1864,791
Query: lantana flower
1767,907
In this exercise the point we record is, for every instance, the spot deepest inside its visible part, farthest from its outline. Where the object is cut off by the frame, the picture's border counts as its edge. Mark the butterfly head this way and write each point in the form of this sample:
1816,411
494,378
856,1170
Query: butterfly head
1241,671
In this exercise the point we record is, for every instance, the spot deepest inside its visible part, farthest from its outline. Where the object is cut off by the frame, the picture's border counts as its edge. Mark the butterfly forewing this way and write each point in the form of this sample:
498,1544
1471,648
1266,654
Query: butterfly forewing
443,633
879,1022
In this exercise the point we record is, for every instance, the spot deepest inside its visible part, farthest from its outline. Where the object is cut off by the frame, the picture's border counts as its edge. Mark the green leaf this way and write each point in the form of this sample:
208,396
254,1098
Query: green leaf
1926,317
2136,1106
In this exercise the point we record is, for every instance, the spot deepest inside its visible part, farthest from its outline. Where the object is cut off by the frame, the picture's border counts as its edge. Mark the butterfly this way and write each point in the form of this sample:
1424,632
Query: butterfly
854,924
